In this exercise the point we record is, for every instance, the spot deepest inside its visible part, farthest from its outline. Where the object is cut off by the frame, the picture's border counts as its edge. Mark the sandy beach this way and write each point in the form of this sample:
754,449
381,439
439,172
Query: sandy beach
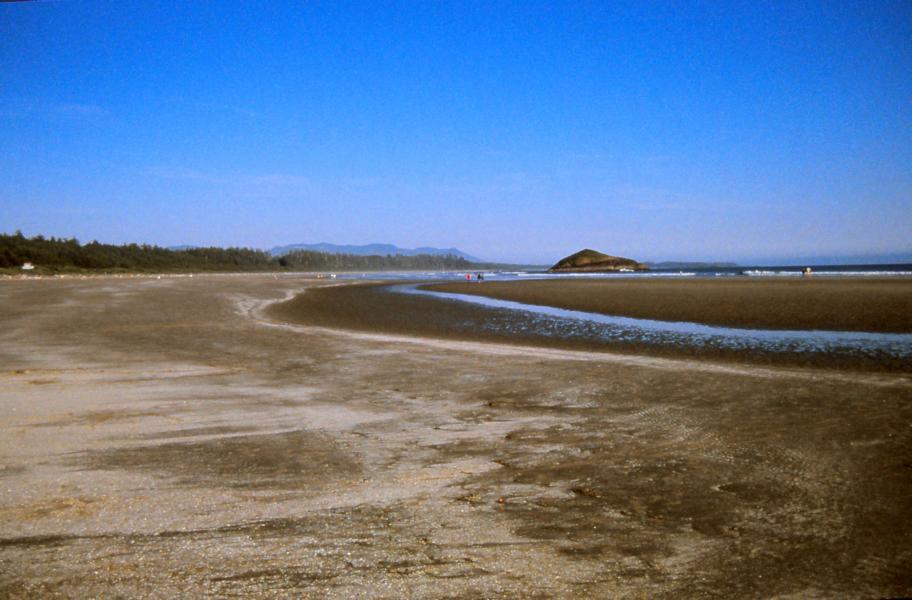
231,435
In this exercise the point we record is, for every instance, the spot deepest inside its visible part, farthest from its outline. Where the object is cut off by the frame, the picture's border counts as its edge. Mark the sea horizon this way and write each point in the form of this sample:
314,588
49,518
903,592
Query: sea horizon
758,270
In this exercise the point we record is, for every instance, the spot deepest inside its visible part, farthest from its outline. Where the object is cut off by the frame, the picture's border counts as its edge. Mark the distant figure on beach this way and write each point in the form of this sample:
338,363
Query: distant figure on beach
468,277
479,276
806,272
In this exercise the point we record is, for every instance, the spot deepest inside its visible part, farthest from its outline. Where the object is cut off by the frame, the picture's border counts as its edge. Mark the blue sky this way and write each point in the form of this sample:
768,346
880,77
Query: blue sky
514,131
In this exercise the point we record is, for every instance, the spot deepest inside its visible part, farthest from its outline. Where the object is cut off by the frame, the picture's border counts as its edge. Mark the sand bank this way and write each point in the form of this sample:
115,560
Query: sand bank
838,304
374,308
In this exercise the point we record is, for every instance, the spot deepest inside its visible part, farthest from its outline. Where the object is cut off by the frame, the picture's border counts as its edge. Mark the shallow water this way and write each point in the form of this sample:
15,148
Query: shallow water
555,322
851,271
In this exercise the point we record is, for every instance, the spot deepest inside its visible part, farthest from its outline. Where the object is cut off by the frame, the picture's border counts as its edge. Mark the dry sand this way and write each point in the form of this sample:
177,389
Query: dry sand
166,438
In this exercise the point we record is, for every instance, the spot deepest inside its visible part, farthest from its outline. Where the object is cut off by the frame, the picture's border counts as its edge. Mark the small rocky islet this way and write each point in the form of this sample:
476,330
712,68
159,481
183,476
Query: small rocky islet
590,261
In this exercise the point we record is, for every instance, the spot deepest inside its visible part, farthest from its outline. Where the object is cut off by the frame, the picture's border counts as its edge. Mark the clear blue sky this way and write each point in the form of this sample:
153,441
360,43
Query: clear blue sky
514,131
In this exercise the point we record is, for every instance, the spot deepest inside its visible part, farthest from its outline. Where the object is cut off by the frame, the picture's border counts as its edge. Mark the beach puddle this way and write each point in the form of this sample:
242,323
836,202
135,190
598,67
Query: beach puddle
559,323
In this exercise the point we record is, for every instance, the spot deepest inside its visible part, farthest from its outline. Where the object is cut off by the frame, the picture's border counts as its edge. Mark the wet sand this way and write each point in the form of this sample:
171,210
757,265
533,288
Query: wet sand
828,303
165,438
372,307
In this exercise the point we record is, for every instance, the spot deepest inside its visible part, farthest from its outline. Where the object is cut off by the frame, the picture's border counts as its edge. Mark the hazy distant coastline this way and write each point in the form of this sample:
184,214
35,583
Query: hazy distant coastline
42,255
58,255
373,250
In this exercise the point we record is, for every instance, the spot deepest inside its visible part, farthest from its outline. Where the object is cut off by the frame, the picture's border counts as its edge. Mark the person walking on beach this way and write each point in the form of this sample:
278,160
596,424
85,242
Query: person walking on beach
468,277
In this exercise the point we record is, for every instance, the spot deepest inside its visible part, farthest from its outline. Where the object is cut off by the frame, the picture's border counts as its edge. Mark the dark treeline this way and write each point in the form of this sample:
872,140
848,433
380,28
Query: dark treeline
61,255
306,260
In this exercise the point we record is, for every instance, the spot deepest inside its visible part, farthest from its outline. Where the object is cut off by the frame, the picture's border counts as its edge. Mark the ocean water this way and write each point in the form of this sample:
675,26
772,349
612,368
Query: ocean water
554,322
881,270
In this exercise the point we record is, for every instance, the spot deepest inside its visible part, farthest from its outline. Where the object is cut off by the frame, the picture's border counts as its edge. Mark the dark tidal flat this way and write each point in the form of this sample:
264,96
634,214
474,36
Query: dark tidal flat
839,305
252,436
829,303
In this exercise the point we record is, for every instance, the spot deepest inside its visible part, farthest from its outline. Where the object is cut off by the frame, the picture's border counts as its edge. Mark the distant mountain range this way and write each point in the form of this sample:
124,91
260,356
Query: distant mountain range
372,250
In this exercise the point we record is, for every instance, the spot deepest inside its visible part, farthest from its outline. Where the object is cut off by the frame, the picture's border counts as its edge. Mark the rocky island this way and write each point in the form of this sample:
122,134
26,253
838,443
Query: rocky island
588,260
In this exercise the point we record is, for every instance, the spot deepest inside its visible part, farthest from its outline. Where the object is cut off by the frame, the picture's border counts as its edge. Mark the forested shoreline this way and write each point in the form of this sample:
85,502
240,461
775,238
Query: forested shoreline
56,255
